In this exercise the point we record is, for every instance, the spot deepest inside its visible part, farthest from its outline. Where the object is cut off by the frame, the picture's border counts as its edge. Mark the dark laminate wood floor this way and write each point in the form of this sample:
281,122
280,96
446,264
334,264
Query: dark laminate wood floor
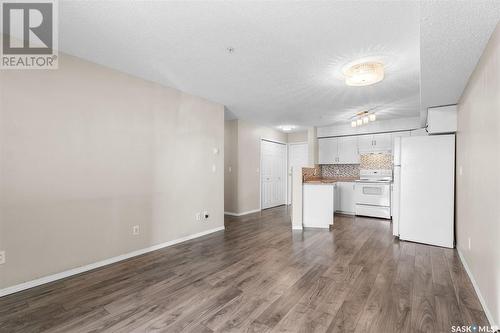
260,276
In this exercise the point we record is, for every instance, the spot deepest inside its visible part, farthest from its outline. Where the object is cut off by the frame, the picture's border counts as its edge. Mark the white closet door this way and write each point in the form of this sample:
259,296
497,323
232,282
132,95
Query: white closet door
298,157
273,174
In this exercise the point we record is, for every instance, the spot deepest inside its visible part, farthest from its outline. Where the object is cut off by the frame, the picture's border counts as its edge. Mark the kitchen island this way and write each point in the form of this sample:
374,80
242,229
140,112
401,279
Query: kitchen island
321,199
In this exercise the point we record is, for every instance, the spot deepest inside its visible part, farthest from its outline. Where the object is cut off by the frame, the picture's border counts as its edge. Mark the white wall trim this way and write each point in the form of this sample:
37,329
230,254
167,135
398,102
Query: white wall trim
297,227
297,143
81,269
241,214
478,291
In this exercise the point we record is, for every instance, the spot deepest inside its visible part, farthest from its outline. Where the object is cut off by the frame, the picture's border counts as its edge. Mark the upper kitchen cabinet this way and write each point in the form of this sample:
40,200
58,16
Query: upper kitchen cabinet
365,143
343,150
375,143
328,150
382,142
348,150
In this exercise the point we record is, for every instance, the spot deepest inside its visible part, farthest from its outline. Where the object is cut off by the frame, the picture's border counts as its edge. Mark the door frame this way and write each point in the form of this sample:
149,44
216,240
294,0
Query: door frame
288,185
260,168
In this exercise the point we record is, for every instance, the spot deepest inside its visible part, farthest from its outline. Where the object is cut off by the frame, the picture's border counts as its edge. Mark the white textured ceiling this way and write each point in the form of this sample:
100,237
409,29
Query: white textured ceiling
453,37
287,55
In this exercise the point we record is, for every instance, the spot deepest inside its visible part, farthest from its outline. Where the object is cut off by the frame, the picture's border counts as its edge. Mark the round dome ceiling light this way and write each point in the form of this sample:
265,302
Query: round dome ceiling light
287,128
364,74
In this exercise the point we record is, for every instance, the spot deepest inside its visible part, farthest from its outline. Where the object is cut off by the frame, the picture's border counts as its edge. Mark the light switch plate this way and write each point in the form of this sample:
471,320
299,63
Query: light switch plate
135,230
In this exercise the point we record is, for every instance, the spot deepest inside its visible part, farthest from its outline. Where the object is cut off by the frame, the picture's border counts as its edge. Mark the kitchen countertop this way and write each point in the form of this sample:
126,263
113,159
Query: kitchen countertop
319,180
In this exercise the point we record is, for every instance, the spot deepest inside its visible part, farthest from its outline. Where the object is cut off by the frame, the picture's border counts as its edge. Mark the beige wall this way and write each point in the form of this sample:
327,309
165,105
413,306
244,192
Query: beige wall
245,196
297,137
478,187
86,153
230,165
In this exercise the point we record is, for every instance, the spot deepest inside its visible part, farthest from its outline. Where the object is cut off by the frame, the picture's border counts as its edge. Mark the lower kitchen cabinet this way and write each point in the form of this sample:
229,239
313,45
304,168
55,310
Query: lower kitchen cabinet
336,201
318,205
345,202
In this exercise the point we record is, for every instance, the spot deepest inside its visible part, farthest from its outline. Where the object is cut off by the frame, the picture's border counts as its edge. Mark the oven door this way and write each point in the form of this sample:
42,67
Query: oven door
375,194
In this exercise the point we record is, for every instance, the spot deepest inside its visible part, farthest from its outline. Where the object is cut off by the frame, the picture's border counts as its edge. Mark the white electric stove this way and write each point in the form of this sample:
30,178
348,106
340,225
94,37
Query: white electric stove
373,193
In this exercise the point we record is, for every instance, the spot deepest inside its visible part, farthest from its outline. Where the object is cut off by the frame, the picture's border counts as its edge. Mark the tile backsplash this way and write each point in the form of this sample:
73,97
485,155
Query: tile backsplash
308,173
367,161
339,170
376,161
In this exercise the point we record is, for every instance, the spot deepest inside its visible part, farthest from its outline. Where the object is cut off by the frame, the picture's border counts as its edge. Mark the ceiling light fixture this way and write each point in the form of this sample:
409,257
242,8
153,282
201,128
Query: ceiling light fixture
362,118
363,74
287,128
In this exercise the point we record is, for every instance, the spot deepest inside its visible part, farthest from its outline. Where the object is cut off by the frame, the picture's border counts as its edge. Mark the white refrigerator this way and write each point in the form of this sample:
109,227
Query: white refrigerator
424,189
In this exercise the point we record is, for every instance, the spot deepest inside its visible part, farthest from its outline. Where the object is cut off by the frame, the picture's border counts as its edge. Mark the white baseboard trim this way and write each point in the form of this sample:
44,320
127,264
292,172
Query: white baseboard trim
478,292
297,227
81,269
241,214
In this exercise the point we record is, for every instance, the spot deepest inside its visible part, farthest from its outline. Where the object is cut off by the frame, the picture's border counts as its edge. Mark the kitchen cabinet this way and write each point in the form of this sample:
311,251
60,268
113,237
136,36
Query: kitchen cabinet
318,205
365,143
348,150
342,150
382,142
336,201
375,143
345,195
328,150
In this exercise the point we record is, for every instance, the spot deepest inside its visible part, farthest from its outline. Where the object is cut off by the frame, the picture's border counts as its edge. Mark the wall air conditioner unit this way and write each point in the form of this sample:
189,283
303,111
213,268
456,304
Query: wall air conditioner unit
442,119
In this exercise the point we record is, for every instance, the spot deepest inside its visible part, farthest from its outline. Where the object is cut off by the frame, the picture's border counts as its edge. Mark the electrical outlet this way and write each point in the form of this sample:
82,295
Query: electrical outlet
135,230
469,243
198,216
214,168
460,170
3,258
205,215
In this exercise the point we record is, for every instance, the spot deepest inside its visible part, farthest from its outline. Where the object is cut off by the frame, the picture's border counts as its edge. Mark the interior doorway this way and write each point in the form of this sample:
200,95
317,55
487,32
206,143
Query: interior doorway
273,174
298,157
